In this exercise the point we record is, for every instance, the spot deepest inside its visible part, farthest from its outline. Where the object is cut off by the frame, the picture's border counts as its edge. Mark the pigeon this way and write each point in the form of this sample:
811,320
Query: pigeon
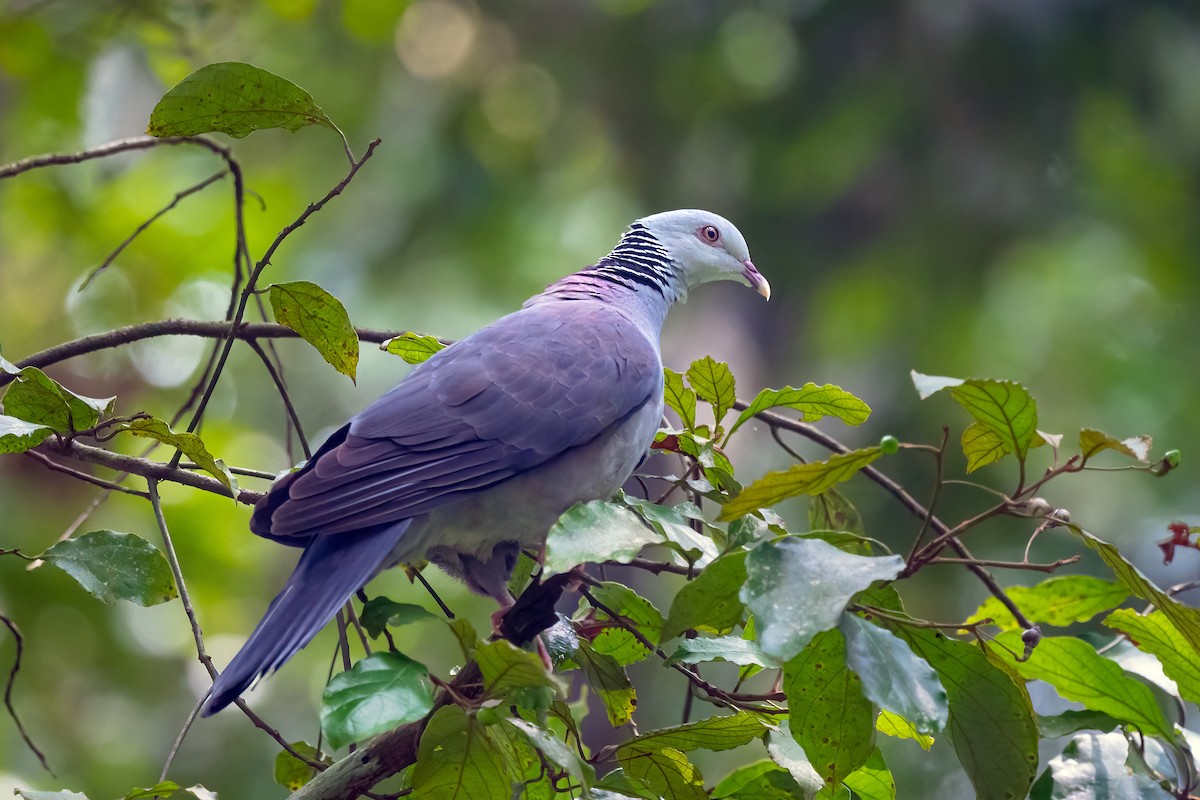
476,453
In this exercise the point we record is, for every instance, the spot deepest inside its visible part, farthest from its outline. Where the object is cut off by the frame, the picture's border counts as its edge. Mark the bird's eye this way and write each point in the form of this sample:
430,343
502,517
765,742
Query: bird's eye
710,234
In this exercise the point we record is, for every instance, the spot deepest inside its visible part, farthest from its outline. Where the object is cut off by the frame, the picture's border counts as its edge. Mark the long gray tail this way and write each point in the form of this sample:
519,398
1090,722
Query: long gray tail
331,569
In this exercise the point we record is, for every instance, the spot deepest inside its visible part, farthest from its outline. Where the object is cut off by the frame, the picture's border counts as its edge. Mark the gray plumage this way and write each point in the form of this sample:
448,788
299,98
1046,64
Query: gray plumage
478,451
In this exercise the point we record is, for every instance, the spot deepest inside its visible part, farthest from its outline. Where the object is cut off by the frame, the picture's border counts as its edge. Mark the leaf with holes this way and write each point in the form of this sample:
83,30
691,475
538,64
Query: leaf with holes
811,479
414,348
115,566
235,99
320,319
812,401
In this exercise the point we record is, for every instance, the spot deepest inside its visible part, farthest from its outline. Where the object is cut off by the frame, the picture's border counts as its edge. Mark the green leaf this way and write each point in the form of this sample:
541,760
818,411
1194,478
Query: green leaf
799,587
763,780
1154,634
635,609
898,727
413,347
1059,601
35,397
733,649
166,789
714,733
458,760
832,511
1078,672
189,444
697,547
595,531
380,613
382,691
991,722
1004,408
235,99
785,751
814,402
610,682
1185,618
811,479
714,384
893,676
320,319
829,715
711,602
17,435
618,785
982,446
1092,767
873,780
1092,441
1073,721
668,772
556,751
679,398
507,668
292,773
115,566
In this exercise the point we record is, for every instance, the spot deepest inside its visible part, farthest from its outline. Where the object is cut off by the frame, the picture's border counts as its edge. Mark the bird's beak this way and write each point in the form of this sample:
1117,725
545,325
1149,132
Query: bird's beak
757,282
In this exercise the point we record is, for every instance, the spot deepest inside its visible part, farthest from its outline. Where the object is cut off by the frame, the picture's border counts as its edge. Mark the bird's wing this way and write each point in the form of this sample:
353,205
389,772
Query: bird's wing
506,399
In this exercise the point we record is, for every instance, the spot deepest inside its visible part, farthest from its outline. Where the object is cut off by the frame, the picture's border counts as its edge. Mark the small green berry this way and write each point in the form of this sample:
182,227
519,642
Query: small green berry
889,445
1173,457
487,715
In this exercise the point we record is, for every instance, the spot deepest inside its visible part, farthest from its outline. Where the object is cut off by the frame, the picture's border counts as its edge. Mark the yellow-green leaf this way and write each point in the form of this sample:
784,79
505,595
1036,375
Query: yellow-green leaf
1092,441
413,347
189,444
320,319
1153,633
813,401
982,446
1059,601
1004,407
679,398
714,384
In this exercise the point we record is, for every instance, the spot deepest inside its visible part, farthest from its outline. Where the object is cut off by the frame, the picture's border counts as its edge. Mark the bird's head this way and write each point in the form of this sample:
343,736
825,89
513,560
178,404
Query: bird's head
705,247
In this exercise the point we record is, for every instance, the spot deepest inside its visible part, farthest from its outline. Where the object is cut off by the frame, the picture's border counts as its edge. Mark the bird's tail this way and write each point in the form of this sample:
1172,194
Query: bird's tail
331,569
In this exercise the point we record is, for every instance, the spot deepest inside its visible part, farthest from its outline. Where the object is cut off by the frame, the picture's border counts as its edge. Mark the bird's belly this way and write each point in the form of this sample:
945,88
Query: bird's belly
522,509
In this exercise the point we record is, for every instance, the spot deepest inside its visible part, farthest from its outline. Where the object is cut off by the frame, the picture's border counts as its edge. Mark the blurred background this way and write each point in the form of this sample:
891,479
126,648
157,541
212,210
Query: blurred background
986,188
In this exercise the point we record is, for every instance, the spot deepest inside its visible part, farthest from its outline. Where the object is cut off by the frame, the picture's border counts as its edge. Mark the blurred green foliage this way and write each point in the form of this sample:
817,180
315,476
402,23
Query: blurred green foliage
998,188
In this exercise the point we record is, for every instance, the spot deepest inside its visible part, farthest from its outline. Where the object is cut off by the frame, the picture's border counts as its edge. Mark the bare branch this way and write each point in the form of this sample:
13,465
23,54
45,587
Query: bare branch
8,689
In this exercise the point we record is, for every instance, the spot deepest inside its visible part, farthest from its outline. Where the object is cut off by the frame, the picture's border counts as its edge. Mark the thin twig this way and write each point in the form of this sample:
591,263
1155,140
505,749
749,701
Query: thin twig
8,690
183,732
177,574
441,604
283,395
49,463
204,184
983,562
939,459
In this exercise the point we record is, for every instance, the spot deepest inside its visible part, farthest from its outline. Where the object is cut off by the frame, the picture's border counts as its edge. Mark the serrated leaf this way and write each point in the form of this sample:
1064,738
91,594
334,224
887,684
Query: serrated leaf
507,668
668,772
292,773
1153,633
832,511
17,435
610,683
1003,407
189,444
458,760
711,602
380,692
320,319
1092,767
636,610
679,398
898,727
1073,721
1078,672
115,566
812,401
830,716
235,99
1092,441
873,780
982,446
714,733
893,676
414,348
595,531
811,479
380,613
1059,601
733,649
1185,618
799,587
991,721
714,384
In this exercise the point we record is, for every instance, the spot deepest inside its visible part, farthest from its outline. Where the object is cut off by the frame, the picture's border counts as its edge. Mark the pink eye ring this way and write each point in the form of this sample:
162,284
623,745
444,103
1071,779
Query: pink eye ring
709,234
